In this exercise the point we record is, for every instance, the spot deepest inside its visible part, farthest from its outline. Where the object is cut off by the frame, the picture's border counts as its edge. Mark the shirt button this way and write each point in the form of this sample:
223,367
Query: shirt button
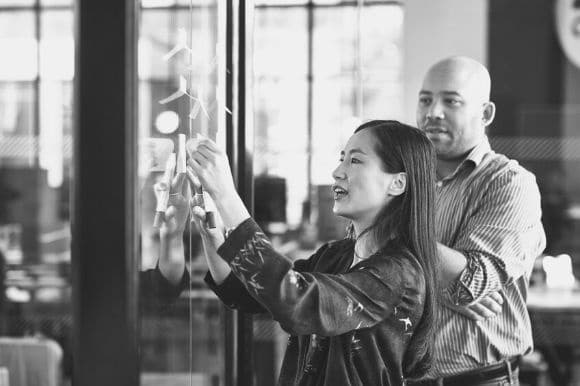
439,184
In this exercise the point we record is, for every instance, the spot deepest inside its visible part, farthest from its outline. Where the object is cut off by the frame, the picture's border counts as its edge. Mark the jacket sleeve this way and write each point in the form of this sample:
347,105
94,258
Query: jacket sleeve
156,292
316,303
235,295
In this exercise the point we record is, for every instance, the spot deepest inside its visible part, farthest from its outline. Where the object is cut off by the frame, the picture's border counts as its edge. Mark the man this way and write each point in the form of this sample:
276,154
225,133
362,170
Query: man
489,228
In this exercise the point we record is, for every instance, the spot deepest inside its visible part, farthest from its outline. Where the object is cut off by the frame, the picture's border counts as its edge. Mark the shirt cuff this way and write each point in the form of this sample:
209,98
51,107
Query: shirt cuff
460,291
237,239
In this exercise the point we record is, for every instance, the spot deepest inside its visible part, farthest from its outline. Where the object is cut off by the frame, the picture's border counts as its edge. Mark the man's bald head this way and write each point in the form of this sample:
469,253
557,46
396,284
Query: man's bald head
454,107
463,73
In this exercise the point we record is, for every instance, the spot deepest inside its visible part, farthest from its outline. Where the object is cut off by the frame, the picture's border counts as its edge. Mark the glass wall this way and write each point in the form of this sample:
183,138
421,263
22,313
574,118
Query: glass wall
36,73
181,79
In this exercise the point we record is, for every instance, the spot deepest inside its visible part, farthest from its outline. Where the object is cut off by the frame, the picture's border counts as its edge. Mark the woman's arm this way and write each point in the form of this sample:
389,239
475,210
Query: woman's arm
220,278
171,252
218,268
321,303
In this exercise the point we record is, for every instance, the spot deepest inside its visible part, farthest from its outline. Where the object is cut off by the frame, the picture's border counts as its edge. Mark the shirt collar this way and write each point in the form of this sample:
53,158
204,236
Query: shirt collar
477,153
473,158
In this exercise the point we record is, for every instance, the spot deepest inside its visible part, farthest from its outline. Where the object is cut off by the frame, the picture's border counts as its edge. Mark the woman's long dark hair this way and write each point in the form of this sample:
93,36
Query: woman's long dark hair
409,220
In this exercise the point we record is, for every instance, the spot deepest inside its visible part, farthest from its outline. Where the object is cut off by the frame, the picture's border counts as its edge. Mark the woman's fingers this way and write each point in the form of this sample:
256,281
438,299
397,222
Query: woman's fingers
201,217
197,168
199,213
208,143
193,180
200,159
178,184
170,212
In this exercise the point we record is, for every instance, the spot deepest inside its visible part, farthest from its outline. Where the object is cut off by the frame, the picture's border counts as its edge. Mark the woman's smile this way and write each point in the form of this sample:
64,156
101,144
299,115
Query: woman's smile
339,192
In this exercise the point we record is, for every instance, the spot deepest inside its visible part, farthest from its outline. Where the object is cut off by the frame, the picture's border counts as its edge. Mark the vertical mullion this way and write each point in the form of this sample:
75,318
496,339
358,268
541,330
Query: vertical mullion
309,102
36,126
239,139
104,201
245,184
230,316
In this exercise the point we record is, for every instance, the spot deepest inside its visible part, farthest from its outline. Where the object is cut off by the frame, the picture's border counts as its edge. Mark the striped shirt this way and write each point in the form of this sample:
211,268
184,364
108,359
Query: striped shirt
488,209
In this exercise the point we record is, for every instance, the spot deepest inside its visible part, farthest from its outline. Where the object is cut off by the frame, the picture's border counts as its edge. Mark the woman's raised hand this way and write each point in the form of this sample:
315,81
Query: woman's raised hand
210,164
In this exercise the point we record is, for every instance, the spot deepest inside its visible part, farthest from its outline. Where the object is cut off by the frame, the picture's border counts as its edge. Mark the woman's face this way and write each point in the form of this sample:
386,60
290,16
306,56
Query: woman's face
361,186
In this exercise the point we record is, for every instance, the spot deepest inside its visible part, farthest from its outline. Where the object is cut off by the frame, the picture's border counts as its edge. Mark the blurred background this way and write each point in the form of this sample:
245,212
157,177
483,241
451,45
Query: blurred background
312,70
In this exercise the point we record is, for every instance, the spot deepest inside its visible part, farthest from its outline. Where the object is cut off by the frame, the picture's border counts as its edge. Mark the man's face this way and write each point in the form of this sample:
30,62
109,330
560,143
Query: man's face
450,111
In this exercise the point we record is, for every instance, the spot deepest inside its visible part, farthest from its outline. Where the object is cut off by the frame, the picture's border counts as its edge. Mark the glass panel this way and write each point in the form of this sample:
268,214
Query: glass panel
16,3
18,42
56,3
280,2
35,159
292,162
179,49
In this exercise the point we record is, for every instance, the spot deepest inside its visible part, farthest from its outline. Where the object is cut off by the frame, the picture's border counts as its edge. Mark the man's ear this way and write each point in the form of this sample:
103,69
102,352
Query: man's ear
488,113
398,184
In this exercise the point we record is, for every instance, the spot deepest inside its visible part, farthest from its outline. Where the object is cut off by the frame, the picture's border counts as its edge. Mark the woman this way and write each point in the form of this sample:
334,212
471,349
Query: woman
360,311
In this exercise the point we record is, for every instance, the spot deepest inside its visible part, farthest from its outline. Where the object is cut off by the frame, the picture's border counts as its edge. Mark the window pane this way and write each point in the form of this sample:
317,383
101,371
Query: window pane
281,2
17,123
35,158
184,341
16,3
55,3
57,46
19,45
280,84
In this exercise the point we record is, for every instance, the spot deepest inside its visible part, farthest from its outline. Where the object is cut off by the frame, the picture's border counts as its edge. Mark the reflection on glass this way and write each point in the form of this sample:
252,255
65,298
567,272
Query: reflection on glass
181,62
36,74
18,43
17,3
280,2
56,3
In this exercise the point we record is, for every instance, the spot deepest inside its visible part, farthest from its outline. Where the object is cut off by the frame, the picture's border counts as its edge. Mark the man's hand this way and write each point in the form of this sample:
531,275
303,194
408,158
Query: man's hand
486,308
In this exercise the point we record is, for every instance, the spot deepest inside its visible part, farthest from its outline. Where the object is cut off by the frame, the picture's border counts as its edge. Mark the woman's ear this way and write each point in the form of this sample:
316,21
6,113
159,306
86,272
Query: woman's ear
398,184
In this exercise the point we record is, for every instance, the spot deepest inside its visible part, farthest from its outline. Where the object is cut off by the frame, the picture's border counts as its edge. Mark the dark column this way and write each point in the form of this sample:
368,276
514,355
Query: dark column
104,199
239,146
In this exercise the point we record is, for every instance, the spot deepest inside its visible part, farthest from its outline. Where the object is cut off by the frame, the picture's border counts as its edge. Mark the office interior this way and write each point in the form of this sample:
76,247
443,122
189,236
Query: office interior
93,96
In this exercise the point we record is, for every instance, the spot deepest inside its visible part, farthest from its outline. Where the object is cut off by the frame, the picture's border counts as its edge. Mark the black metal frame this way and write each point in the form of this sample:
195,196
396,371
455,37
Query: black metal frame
104,229
239,147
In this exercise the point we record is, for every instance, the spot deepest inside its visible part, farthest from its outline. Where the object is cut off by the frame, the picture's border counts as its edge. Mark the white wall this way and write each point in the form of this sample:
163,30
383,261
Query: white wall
434,29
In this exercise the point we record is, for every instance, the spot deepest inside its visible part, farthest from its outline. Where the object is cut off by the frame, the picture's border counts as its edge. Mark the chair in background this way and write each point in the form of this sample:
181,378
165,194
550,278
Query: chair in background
31,361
